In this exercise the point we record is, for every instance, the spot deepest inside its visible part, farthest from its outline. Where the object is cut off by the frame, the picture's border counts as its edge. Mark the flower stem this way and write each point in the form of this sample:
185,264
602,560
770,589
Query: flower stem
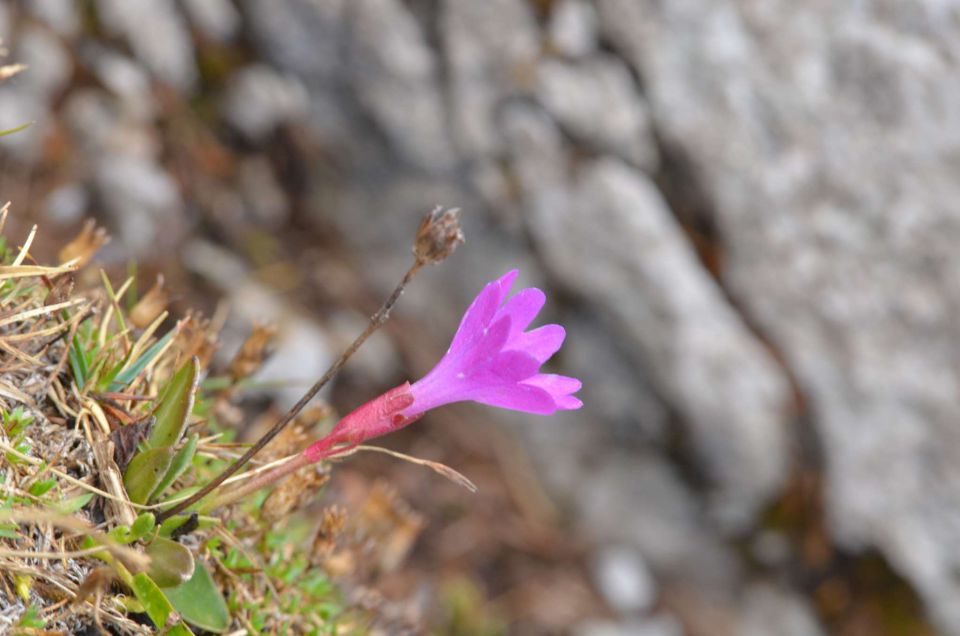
376,321
253,485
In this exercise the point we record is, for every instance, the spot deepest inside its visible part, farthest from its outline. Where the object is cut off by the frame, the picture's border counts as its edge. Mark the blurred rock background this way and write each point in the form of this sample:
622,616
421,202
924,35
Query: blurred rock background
743,212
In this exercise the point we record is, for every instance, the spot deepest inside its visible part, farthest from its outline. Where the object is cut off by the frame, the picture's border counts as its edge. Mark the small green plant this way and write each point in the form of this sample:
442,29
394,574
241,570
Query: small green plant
119,429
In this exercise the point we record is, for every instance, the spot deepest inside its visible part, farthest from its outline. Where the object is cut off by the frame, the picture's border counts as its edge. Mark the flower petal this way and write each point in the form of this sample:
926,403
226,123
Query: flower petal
518,397
486,347
481,312
541,343
509,367
523,307
568,403
556,385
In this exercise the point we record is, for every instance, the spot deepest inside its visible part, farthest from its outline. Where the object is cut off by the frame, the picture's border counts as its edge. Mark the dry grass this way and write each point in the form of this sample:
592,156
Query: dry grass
80,388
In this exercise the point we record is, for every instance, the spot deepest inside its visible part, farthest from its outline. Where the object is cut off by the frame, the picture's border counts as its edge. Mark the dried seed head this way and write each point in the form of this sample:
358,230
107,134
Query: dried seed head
153,303
438,235
85,245
255,350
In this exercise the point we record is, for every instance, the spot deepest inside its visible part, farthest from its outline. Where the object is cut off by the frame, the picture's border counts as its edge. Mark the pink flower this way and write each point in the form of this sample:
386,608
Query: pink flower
492,360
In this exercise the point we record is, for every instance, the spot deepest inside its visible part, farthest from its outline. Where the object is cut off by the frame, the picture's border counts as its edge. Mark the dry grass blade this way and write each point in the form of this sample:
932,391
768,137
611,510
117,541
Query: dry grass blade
26,247
26,271
441,469
41,311
15,394
6,448
136,559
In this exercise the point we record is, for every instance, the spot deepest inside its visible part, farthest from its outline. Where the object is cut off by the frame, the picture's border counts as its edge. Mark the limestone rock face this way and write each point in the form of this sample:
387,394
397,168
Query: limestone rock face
824,135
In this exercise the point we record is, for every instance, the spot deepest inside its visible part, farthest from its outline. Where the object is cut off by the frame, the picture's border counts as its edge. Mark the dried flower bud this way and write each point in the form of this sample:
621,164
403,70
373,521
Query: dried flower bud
85,245
438,235
254,351
196,337
150,306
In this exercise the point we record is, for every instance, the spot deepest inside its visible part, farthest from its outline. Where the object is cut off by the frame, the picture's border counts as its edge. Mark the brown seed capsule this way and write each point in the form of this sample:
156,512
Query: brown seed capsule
438,235
255,350
85,245
151,305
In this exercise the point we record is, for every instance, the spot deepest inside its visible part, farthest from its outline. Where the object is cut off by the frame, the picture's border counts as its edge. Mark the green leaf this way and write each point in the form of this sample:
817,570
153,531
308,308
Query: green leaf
145,471
142,525
42,487
181,461
170,563
130,373
72,505
200,602
175,405
30,619
121,534
156,605
78,362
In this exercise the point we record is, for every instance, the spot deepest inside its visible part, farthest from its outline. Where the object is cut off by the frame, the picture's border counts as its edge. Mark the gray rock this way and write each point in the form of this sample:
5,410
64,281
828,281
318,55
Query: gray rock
259,99
598,103
624,580
573,28
59,15
18,108
217,19
610,236
67,204
125,79
6,25
47,60
300,36
824,136
26,97
490,47
265,199
92,118
769,610
656,626
309,41
394,74
653,510
142,201
616,389
157,34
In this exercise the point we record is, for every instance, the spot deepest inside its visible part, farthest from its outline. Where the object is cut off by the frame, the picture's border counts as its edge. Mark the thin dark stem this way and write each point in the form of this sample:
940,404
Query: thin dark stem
376,321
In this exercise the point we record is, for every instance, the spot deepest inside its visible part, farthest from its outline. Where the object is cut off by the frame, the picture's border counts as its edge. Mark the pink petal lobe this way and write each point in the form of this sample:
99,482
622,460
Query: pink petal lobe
555,384
518,397
507,368
481,312
488,343
568,403
523,307
541,343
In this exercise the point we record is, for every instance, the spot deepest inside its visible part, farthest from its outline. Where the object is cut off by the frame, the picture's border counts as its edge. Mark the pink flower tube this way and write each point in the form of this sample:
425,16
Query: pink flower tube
492,360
